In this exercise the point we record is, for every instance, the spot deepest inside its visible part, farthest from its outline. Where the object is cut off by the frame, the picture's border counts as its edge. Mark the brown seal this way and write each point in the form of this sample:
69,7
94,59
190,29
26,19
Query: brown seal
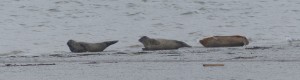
78,47
224,41
161,44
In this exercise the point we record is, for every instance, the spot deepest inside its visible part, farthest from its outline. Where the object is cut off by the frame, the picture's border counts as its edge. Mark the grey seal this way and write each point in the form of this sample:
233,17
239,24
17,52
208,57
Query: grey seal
161,44
78,47
225,41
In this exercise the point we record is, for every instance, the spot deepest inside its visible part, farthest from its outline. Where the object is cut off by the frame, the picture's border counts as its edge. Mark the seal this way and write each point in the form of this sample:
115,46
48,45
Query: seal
78,47
161,44
225,41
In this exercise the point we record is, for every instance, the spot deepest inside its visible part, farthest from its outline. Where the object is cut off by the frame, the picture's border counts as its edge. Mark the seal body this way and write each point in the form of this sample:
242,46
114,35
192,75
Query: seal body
161,44
224,41
78,47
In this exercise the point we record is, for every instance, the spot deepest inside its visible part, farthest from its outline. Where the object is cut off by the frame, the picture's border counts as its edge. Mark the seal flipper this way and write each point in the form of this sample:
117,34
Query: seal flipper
183,44
108,43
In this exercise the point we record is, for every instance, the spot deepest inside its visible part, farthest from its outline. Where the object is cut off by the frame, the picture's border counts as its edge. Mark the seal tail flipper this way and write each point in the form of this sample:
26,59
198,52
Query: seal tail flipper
183,44
111,42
